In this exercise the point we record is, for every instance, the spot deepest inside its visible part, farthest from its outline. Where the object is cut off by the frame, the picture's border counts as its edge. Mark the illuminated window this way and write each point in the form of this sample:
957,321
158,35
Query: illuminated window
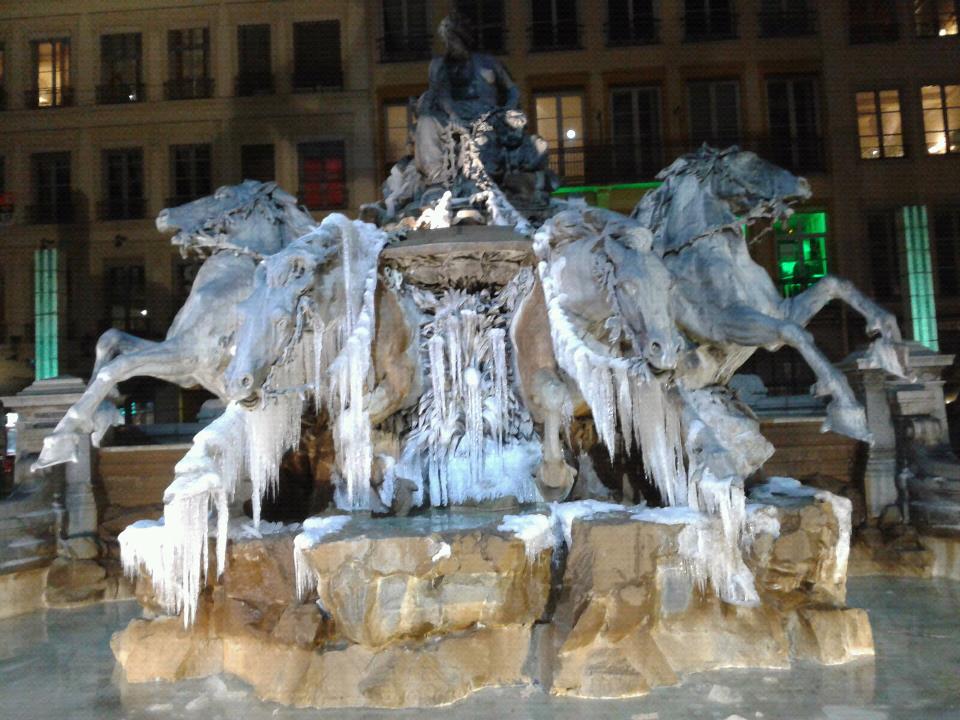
714,107
941,118
801,251
189,173
51,77
912,222
487,20
398,120
879,124
323,177
935,18
560,123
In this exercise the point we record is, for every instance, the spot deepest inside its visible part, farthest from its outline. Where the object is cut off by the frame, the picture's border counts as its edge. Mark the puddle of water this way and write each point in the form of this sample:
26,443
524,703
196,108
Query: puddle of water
59,664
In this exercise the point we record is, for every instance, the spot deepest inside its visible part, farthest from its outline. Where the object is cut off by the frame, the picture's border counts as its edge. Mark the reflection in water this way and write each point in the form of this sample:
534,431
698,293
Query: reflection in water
58,664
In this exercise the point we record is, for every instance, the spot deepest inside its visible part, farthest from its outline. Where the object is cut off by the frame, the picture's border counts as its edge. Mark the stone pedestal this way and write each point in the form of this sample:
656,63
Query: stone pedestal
880,474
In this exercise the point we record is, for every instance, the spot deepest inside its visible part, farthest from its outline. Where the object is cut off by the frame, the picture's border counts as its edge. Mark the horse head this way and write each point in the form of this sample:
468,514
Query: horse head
254,217
286,287
711,189
632,281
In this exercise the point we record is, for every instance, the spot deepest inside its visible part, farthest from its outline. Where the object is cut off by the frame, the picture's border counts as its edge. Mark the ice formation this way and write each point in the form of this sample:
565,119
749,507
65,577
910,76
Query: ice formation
315,529
539,532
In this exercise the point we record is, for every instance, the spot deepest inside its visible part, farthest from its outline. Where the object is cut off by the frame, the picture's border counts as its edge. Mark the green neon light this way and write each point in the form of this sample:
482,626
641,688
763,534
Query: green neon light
583,189
801,251
923,309
45,306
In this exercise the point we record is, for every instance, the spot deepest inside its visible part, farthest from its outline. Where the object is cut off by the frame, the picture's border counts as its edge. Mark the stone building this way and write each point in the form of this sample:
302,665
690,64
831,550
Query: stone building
111,115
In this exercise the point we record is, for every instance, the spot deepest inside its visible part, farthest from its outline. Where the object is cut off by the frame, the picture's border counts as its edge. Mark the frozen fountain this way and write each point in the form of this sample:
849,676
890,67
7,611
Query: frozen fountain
538,474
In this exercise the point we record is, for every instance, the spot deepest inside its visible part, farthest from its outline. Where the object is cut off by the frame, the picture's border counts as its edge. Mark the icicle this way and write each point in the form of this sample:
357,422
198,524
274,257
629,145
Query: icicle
474,423
272,430
438,374
315,529
318,330
501,382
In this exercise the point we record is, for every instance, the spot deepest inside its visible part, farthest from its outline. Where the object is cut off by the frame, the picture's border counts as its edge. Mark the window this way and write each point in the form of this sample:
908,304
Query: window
398,120
879,124
257,163
884,243
873,21
122,184
560,123
714,112
487,20
554,25
801,245
253,60
125,291
189,173
406,35
786,18
316,56
188,55
323,178
631,22
793,112
51,188
941,118
946,242
635,128
120,68
51,74
709,20
912,222
935,18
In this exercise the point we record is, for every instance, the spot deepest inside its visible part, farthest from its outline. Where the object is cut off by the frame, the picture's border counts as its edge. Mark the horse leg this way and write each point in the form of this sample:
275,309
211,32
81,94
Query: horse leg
746,326
86,415
887,350
115,342
555,477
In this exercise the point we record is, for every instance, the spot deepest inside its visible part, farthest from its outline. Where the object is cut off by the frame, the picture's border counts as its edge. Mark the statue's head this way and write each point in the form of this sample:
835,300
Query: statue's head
254,215
456,34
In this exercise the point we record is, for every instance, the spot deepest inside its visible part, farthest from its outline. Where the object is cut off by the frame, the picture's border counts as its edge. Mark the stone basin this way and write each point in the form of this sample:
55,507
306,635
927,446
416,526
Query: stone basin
423,611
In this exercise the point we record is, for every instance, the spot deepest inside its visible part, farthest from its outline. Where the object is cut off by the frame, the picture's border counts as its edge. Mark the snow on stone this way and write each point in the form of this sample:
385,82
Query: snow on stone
842,510
536,531
565,514
442,553
315,529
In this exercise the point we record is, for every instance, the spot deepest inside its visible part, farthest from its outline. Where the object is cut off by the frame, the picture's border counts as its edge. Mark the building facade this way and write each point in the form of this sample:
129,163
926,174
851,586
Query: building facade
112,115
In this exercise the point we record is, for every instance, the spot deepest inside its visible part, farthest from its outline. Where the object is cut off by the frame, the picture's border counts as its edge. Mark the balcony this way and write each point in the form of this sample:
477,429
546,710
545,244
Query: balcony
788,23
122,209
120,93
317,80
555,36
42,99
643,31
188,88
250,84
405,48
707,26
51,213
863,31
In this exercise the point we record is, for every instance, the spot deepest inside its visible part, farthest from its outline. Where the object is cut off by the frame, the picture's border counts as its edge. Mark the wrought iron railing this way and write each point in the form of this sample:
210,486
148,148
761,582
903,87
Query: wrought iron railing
405,48
787,23
119,93
705,26
61,97
642,31
122,208
313,81
188,88
553,36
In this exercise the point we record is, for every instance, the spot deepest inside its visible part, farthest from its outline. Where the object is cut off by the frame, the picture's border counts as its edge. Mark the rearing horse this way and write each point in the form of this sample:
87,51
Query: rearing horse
726,302
234,229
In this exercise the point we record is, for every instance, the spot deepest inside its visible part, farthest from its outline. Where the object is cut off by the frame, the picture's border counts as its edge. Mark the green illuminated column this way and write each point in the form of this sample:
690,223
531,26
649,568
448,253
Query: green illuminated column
46,313
919,275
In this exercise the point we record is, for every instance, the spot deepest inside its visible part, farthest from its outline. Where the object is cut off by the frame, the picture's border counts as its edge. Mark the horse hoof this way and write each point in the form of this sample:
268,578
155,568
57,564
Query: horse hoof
58,448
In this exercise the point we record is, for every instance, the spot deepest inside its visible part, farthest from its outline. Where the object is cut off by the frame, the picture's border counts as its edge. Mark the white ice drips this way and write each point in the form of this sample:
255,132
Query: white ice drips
315,529
539,532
